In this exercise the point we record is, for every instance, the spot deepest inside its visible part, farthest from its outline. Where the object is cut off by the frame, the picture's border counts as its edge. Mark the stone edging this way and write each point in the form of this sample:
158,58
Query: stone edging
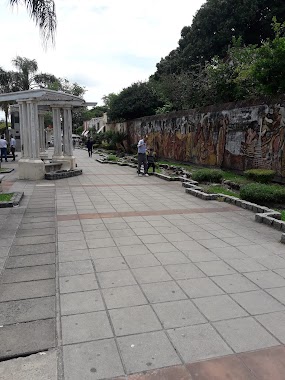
15,200
63,174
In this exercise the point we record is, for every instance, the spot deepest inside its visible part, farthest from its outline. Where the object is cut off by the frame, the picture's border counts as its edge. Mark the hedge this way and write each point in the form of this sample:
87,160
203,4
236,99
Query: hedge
263,194
260,175
208,175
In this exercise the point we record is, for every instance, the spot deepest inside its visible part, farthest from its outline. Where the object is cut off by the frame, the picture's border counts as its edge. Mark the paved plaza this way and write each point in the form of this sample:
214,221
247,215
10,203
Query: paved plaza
113,276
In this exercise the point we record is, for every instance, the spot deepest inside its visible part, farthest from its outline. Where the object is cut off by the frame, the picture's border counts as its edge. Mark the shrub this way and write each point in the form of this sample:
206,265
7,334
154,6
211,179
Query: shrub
263,194
208,175
112,157
260,175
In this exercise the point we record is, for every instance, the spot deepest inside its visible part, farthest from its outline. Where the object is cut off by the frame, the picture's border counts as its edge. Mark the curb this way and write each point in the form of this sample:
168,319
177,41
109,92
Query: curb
15,200
63,174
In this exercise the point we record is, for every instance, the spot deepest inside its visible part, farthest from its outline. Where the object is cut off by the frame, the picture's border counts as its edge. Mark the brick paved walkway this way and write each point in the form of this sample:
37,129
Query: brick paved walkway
147,277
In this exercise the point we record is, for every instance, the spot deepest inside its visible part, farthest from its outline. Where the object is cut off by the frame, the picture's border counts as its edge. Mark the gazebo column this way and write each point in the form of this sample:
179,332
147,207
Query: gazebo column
67,137
43,153
57,155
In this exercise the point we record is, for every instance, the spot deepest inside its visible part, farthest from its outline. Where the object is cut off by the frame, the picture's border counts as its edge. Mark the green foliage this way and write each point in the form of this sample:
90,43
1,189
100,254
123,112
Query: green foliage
112,157
6,197
263,194
208,175
260,175
220,190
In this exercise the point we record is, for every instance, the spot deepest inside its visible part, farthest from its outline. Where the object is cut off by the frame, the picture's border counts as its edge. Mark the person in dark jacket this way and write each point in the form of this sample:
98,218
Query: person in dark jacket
89,145
151,160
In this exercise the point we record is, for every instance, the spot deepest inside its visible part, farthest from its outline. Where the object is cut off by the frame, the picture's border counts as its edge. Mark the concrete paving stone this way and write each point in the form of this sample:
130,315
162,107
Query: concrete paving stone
129,240
275,323
137,249
27,338
201,256
65,230
134,320
103,253
278,293
213,243
35,232
101,243
245,334
110,264
161,247
25,290
4,251
266,279
179,236
85,327
200,287
43,272
281,272
237,241
170,373
7,242
178,313
116,278
36,226
245,265
139,224
81,254
184,271
174,257
117,226
198,342
190,227
33,367
217,308
34,240
71,236
222,233
142,261
215,268
91,361
228,253
80,283
30,260
93,235
71,246
255,251
27,310
234,283
38,219
163,291
258,302
71,268
151,274
145,231
200,235
81,302
147,351
122,233
167,229
152,239
123,297
189,246
32,249
272,262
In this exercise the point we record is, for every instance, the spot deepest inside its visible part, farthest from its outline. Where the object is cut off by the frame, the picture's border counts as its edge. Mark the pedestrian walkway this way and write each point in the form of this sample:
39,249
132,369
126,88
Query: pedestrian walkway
128,277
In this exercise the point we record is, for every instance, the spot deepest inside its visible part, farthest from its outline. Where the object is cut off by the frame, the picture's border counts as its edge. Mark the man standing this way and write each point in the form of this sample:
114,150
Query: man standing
89,146
3,148
142,156
13,146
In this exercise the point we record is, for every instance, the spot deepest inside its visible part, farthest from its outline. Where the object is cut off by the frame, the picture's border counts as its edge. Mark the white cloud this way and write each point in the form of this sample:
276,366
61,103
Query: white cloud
104,45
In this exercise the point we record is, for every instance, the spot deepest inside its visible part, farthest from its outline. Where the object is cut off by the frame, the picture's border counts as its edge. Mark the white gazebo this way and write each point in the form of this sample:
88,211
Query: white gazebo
32,105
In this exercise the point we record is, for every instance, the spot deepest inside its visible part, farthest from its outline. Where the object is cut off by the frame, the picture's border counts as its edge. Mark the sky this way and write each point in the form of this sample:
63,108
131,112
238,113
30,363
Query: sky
103,45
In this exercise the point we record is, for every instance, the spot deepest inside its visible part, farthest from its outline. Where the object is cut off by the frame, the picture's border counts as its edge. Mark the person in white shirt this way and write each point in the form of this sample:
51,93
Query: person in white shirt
13,146
3,148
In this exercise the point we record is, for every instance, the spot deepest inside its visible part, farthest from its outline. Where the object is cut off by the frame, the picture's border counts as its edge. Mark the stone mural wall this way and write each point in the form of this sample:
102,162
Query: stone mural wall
234,137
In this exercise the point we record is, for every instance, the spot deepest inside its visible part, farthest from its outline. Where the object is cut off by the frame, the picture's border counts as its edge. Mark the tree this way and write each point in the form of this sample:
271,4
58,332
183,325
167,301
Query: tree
44,15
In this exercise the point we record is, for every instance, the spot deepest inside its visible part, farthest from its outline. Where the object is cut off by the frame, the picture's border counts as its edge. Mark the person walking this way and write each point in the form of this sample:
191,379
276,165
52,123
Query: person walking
142,155
13,146
89,145
3,148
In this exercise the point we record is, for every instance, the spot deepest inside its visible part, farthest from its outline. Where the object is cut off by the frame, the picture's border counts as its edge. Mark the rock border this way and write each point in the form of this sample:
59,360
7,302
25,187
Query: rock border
63,174
14,201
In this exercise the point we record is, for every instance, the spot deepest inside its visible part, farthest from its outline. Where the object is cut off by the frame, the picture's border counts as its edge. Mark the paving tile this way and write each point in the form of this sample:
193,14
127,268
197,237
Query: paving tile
229,253
134,320
168,258
201,255
85,327
281,272
27,338
198,342
213,243
215,268
272,262
163,291
32,249
255,251
123,297
104,253
258,302
266,279
71,268
266,364
245,334
25,290
129,240
278,293
91,361
245,265
178,313
34,240
170,373
141,261
234,283
116,278
228,368
82,282
275,323
122,233
93,235
27,310
137,249
184,271
82,302
200,287
238,241
30,260
179,236
101,243
152,239
35,231
72,245
43,272
189,246
110,264
151,274
147,351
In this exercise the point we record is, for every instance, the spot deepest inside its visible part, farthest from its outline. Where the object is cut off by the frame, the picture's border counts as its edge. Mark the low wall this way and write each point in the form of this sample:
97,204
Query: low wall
236,136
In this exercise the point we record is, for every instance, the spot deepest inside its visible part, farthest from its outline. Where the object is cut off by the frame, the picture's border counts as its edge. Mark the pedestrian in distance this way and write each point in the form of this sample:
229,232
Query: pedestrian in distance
151,160
89,145
13,147
142,160
3,148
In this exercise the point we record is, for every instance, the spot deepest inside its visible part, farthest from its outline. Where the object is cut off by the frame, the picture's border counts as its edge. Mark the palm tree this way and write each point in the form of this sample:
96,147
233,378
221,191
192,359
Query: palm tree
44,15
